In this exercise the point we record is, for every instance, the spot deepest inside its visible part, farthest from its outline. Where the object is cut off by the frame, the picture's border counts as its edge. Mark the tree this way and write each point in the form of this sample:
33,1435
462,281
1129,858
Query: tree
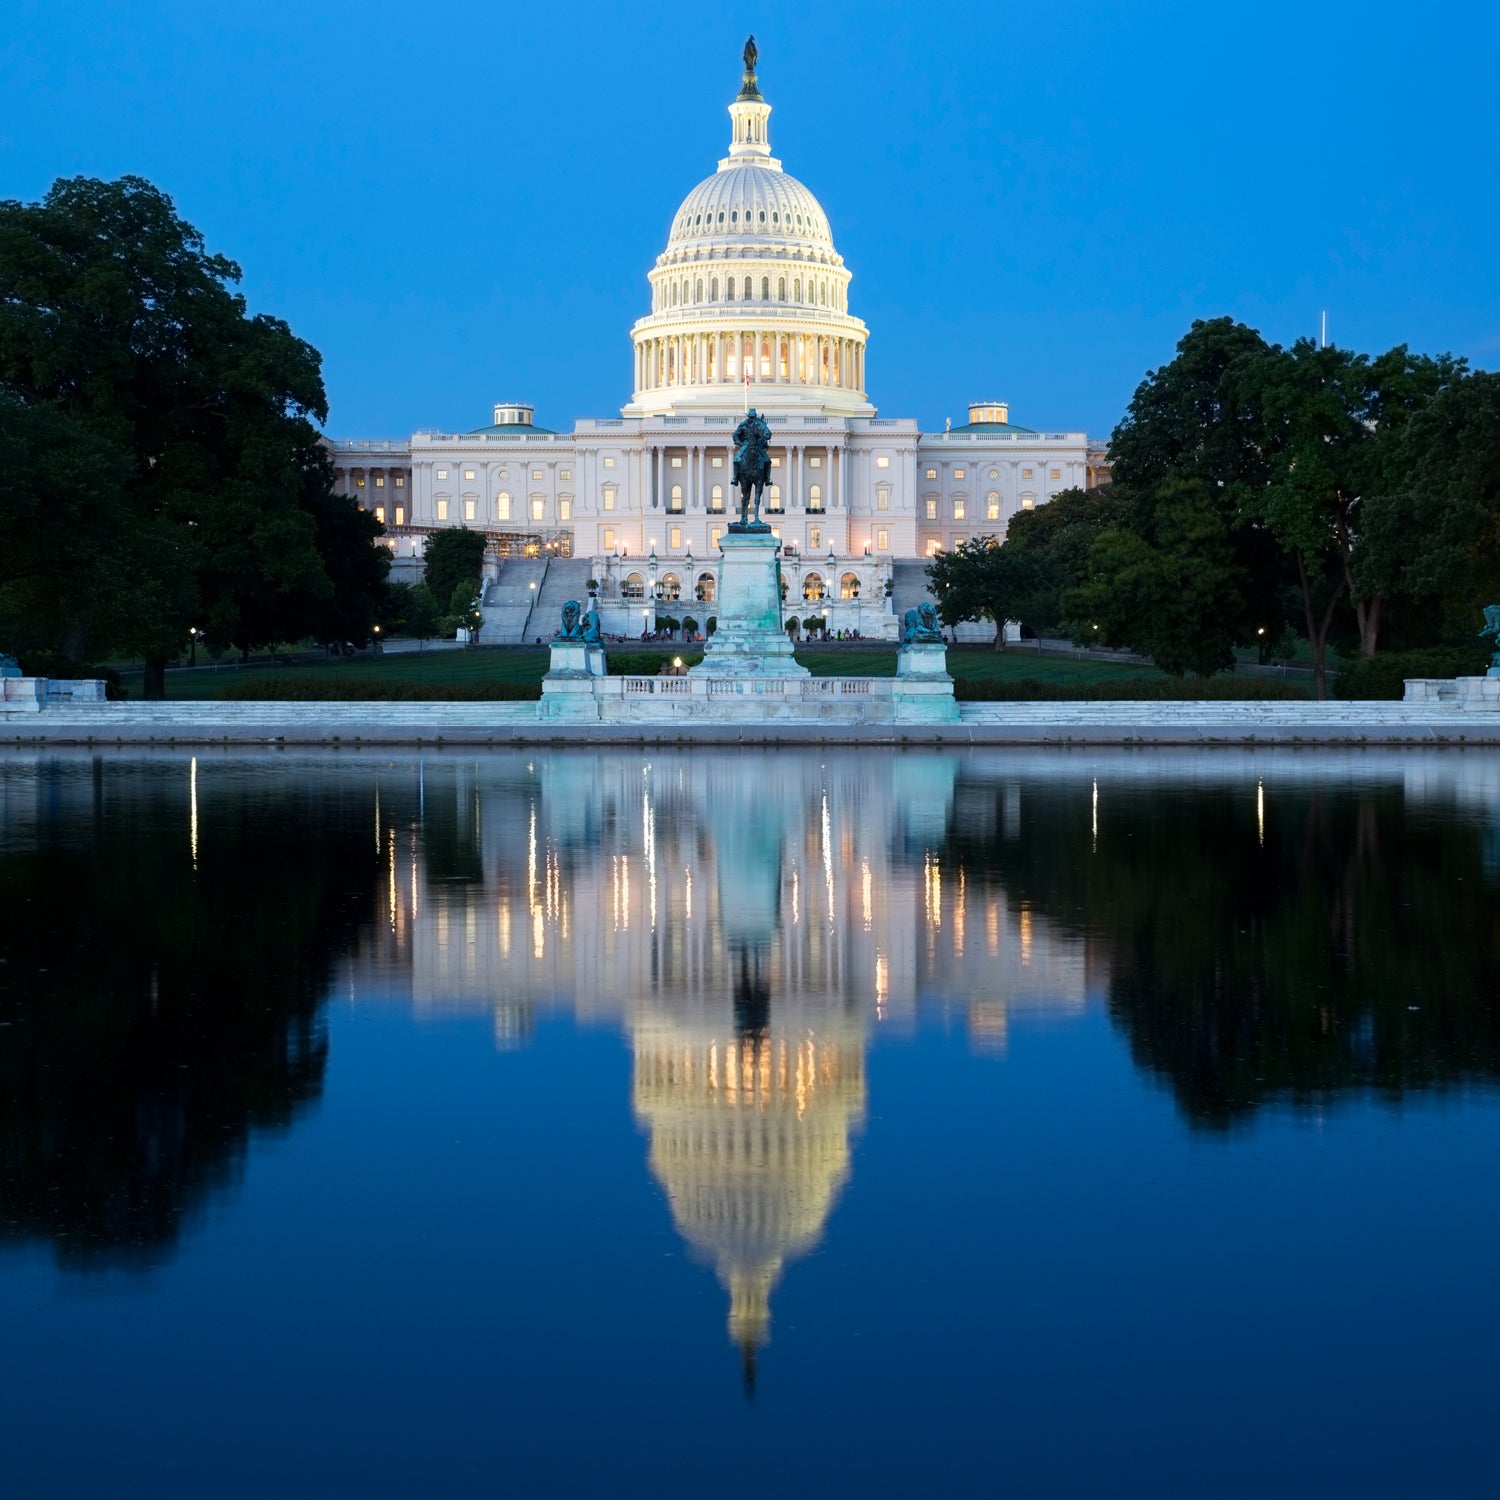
985,579
464,612
114,317
1062,533
423,617
454,559
1173,595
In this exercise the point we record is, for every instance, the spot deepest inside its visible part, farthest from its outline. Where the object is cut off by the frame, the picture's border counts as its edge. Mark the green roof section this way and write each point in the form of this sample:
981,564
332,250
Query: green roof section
992,427
506,429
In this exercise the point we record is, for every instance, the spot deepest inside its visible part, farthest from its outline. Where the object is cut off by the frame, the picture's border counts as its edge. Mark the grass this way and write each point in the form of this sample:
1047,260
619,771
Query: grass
979,673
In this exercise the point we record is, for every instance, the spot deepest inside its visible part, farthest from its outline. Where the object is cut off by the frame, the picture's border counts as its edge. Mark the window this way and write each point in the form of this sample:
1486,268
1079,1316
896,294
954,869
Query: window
1028,502
765,282
502,506
609,498
932,473
469,474
674,540
714,533
538,508
609,538
471,508
934,547
814,538
380,514
992,506
401,515
704,592
718,461
716,497
670,587
883,462
441,474
1056,473
442,510
564,510
931,506
536,473
775,463
677,463
883,498
609,462
815,461
729,290
780,284
1026,474
958,510
380,481
994,473
634,587
958,473
812,586
400,481
815,497
674,501
882,540
773,498
565,473
849,586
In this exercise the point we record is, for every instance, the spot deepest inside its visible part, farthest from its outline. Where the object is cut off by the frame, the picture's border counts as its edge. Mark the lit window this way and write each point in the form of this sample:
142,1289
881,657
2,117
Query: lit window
565,510
958,473
470,507
992,506
716,497
883,461
609,538
441,474
814,539
400,481
849,586
609,499
815,462
469,474
718,461
958,510
677,463
502,505
994,473
536,473
401,515
714,533
812,586
674,500
380,514
609,463
934,547
380,481
1056,473
775,463
565,473
773,498
674,538
932,473
1027,502
882,498
882,540
442,510
1025,473
538,508
931,510
815,497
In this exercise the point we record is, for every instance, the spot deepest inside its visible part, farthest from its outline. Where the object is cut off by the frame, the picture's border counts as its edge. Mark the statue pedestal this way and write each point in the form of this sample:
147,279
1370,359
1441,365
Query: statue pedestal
922,661
749,640
923,690
568,687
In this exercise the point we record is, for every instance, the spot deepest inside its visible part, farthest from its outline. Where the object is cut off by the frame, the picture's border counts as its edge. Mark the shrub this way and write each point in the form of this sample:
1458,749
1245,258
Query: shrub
1141,690
647,663
315,688
1385,674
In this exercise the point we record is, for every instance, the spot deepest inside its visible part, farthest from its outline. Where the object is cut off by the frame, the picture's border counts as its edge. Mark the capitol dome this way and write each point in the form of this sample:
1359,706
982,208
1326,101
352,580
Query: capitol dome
749,284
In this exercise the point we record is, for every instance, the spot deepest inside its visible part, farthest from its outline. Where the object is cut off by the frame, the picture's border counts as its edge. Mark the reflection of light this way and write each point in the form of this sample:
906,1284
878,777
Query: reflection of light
648,828
827,855
1025,936
882,985
867,895
687,892
992,927
1096,817
958,918
796,899
193,809
933,888
1260,811
531,860
379,842
538,933
502,921
391,869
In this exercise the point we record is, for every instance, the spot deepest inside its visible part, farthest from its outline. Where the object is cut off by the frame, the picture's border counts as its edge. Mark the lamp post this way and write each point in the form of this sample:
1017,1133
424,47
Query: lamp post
376,633
193,645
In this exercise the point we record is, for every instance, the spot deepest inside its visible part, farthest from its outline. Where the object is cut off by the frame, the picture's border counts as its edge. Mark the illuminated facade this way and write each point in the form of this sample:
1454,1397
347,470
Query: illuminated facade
750,304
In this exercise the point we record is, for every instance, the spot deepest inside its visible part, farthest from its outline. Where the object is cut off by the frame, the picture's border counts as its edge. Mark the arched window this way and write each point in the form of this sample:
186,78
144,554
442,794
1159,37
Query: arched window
765,285
773,498
765,359
823,293
781,345
797,290
992,506
502,506
674,294
729,290
716,497
812,586
698,290
671,587
815,497
634,587
781,288
674,502
705,589
849,586
713,289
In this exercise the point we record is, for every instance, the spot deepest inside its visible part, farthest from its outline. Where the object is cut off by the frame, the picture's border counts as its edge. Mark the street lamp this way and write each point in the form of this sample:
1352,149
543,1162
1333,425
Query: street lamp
377,640
193,633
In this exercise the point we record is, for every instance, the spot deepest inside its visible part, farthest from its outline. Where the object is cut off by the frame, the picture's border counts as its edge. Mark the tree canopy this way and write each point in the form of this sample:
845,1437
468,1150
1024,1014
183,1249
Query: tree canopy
984,579
171,471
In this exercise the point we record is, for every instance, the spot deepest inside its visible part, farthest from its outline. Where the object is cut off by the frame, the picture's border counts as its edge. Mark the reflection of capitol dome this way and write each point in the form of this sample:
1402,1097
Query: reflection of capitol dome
750,1140
749,283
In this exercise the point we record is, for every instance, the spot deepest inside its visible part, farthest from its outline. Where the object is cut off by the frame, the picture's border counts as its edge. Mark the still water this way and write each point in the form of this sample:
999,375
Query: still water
734,1123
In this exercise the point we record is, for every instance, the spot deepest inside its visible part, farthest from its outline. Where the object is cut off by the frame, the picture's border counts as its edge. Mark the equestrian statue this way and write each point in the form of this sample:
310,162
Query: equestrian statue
752,467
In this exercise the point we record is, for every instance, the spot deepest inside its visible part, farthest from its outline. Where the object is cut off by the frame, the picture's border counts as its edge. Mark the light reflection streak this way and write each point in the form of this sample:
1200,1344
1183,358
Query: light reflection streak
1096,817
867,895
193,810
827,854
1260,812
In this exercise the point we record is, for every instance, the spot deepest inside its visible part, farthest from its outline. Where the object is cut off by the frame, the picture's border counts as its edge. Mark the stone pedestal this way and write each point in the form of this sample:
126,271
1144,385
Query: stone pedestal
923,691
568,687
922,661
749,640
1482,693
22,695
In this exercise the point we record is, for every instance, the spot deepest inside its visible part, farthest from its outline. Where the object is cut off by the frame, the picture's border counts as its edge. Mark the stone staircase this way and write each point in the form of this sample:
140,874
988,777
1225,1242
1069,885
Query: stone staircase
567,578
509,599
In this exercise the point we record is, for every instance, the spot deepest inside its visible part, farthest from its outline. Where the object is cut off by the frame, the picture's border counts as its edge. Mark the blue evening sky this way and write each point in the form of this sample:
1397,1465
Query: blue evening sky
458,203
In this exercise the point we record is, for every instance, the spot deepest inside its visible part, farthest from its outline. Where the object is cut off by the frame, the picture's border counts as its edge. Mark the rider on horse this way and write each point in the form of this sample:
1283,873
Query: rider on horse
752,461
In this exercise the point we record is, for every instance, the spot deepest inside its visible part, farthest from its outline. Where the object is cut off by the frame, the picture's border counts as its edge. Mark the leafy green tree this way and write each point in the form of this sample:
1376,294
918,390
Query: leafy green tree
454,559
423,617
114,317
984,579
464,612
1062,533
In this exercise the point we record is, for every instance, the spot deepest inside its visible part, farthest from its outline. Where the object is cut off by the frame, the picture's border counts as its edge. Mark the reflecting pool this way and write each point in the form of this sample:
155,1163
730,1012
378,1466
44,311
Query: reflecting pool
717,1122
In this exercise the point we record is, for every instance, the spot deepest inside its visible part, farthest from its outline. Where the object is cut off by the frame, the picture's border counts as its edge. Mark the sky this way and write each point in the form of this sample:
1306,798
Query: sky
458,203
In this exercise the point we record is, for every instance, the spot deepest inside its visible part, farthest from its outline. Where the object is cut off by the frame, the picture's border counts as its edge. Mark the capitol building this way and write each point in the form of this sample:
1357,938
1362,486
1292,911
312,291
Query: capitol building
750,306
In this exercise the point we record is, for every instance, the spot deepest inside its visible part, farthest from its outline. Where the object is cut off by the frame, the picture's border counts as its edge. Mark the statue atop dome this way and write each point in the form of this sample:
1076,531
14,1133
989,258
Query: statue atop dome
749,88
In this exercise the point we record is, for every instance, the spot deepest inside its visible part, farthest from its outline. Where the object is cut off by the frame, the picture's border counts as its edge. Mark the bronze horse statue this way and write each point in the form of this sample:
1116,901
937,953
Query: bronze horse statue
752,465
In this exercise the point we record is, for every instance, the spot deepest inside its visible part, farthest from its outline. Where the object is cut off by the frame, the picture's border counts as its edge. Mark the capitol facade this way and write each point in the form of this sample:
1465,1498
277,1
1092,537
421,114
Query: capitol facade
750,306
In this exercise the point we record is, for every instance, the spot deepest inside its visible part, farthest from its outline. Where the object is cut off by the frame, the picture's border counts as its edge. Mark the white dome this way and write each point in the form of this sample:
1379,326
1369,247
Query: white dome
749,202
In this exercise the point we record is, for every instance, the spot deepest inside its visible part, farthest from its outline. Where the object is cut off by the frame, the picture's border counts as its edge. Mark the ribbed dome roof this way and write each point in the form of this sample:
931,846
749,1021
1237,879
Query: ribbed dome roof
751,202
